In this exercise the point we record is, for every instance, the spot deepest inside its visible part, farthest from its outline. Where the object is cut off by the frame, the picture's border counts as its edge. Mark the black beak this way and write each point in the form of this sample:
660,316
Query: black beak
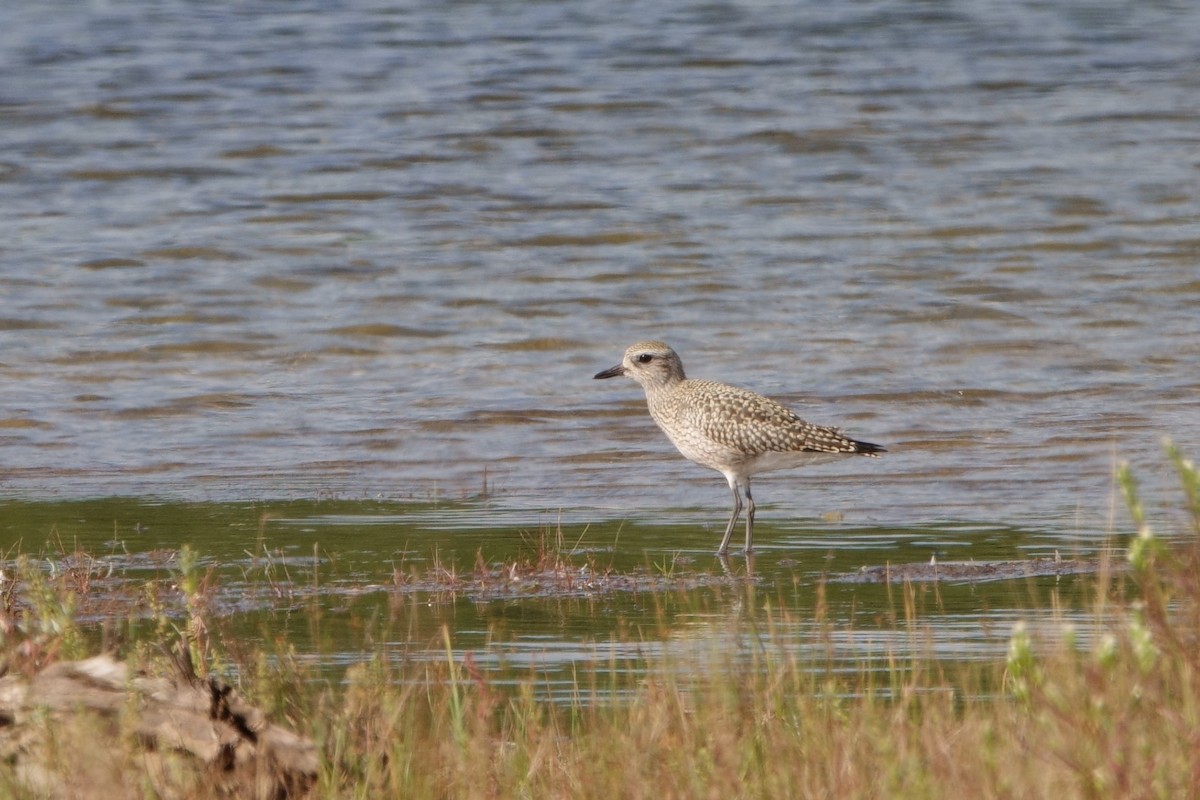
611,372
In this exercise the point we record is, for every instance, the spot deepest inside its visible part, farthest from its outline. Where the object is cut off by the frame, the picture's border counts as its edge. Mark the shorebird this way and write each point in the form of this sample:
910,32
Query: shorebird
735,431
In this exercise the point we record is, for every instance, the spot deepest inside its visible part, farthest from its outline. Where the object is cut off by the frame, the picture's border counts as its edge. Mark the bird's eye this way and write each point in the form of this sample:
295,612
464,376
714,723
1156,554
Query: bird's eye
645,358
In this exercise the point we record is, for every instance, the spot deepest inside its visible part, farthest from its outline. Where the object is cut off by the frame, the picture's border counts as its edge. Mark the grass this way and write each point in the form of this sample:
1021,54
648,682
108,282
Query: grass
1117,715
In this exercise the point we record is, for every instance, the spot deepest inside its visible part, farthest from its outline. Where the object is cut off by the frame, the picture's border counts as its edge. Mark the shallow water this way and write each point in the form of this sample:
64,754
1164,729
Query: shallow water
338,582
260,252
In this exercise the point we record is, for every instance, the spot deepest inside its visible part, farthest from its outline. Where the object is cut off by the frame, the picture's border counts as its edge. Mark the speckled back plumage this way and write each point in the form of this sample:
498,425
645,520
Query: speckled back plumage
735,425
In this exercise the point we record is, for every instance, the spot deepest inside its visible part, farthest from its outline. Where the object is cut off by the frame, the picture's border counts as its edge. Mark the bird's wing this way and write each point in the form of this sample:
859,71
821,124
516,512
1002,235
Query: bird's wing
743,420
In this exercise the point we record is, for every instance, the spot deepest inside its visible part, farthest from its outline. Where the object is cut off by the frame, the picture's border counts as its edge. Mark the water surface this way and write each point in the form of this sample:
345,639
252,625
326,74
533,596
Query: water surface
576,608
259,253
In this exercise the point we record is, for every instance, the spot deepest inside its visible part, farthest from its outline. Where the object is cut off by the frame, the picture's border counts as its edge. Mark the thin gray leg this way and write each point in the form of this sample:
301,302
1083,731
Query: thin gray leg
737,509
749,518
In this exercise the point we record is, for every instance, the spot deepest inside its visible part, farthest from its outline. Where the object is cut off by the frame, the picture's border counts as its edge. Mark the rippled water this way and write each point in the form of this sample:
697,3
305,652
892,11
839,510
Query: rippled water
268,250
265,249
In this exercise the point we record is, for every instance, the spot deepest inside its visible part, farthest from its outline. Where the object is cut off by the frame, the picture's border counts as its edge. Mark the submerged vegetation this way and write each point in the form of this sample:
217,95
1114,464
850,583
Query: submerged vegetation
1113,713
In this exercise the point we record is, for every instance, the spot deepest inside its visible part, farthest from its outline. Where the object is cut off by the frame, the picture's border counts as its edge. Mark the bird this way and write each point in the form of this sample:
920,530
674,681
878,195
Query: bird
735,431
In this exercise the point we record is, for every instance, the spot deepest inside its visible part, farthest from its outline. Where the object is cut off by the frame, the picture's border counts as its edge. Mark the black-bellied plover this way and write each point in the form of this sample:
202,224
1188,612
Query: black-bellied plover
734,431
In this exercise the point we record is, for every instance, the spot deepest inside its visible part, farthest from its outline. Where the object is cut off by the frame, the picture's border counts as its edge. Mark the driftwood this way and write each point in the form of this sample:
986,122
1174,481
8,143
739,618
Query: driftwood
97,729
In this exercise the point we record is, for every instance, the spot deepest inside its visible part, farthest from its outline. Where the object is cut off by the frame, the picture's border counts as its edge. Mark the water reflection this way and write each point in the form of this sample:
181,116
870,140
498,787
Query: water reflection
562,607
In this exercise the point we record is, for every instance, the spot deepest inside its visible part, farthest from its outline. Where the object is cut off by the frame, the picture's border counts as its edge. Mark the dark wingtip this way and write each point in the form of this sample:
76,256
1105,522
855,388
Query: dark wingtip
868,449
